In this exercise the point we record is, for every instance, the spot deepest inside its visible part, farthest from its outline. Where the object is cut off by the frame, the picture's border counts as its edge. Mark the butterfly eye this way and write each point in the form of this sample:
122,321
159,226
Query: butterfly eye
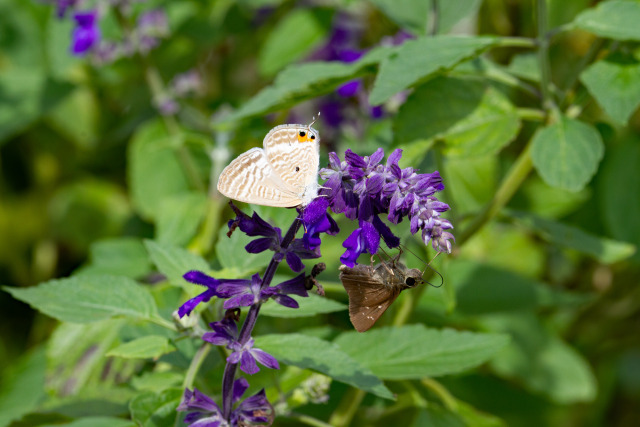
302,133
297,169
410,281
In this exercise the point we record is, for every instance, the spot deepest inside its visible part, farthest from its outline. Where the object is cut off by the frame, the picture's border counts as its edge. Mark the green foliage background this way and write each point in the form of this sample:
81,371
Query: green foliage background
527,108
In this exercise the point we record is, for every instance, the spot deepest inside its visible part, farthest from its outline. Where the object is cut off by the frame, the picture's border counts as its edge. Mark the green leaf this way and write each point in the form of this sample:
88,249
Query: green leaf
123,256
472,118
298,33
566,154
615,83
151,409
76,357
541,361
180,217
618,190
310,306
461,415
482,289
322,356
157,381
232,255
97,422
154,172
409,64
85,299
415,351
603,249
149,347
174,262
412,15
297,83
616,19
22,386
471,181
525,65
450,12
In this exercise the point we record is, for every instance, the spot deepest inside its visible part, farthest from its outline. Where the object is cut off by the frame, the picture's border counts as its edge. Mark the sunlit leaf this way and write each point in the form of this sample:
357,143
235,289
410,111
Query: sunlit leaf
412,15
616,19
409,65
310,306
419,352
322,356
174,262
148,347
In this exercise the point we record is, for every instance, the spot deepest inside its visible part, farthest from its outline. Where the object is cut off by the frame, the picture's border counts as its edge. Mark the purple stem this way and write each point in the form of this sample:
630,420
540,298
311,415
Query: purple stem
250,321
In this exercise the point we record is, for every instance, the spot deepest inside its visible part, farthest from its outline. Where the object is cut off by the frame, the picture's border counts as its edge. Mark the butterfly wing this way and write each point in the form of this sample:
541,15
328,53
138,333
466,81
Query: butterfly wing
369,297
250,178
293,157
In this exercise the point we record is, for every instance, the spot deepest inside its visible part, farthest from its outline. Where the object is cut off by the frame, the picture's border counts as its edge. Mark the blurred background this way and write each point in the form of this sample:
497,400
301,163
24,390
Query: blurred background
115,123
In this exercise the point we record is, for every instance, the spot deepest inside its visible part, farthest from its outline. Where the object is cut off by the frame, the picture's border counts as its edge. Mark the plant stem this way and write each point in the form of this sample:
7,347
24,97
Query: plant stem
447,399
510,184
195,364
250,321
347,408
543,55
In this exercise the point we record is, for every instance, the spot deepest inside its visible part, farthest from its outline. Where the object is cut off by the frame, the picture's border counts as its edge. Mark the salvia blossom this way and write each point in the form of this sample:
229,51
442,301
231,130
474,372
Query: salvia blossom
86,34
203,411
225,333
362,188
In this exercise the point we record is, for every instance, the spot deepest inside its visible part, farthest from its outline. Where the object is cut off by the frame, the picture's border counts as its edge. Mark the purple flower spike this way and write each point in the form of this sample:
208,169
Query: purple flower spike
279,293
241,293
247,356
86,34
203,411
316,220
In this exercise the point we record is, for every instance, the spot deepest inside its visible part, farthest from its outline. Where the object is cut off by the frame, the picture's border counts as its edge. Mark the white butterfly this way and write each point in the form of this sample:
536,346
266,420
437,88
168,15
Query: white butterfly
283,174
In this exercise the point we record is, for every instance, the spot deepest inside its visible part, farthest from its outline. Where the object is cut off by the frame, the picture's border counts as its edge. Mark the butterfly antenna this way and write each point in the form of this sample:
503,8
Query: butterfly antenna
314,120
428,265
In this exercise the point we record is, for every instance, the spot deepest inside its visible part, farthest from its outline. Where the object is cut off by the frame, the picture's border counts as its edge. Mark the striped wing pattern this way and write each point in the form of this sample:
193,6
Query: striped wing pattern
250,178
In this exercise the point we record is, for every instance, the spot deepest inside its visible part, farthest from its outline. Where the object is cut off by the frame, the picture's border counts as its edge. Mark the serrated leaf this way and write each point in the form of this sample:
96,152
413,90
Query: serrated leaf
22,386
542,361
179,218
566,154
603,249
124,256
149,347
299,32
472,118
482,289
232,255
174,262
151,409
310,306
615,83
297,83
412,15
322,356
417,60
415,351
85,298
154,172
616,19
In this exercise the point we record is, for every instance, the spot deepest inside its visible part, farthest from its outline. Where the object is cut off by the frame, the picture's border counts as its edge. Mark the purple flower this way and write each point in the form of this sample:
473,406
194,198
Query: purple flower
225,332
212,285
272,240
350,88
316,220
247,356
86,34
204,412
247,293
362,188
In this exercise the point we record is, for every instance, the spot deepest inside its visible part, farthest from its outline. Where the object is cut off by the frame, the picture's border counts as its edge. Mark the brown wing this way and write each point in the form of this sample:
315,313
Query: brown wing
369,297
294,158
